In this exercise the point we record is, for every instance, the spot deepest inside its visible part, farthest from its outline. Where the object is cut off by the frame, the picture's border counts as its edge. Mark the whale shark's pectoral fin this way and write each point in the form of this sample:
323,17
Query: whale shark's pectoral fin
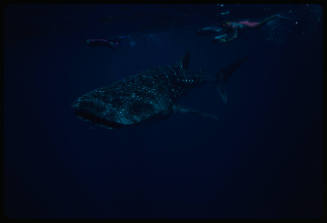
222,93
183,110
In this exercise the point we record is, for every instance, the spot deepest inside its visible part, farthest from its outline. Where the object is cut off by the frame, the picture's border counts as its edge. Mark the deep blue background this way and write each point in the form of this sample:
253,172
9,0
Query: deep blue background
263,160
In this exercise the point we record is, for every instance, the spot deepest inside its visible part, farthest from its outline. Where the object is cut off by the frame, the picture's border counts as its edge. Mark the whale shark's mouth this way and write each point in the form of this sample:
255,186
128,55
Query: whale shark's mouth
98,120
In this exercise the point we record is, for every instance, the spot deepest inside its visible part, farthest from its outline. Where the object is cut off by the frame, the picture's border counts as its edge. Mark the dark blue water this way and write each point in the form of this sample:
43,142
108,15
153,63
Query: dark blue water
262,160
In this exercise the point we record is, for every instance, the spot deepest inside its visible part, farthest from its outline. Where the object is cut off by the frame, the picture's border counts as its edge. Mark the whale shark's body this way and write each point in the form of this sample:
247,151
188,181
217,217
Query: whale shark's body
152,94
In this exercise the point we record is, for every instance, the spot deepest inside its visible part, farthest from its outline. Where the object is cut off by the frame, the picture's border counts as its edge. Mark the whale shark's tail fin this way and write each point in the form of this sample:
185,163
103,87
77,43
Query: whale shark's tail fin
224,74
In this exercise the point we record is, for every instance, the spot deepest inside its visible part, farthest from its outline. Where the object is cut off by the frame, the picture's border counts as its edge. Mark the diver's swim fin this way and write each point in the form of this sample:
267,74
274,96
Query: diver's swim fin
223,75
266,20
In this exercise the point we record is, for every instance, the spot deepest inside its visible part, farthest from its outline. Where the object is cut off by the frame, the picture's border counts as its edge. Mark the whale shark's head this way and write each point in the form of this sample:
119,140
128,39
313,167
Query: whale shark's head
95,110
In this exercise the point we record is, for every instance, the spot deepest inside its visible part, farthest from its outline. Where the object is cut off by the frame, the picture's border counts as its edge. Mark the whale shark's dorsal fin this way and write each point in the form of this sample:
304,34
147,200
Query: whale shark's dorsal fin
185,61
